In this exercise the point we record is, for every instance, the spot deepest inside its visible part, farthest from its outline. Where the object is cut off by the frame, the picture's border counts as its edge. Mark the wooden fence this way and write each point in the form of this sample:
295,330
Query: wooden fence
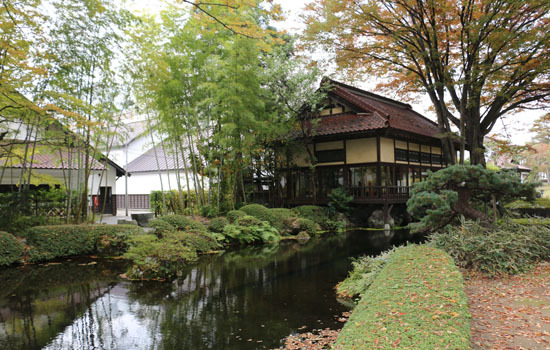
135,201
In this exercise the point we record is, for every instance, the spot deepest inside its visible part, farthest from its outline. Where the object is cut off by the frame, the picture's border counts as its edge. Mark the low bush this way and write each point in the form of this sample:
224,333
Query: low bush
306,225
11,250
532,222
282,214
50,242
161,227
339,201
248,221
260,212
217,224
320,216
537,203
183,223
197,240
154,258
249,229
416,301
363,273
114,240
509,248
233,215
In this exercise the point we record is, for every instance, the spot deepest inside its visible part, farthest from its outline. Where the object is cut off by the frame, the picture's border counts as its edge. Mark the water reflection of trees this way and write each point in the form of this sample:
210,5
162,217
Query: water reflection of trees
261,293
38,302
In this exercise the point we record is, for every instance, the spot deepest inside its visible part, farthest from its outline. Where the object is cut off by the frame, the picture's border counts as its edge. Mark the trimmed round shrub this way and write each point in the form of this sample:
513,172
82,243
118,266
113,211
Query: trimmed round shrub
154,258
233,215
161,228
217,224
11,250
197,240
260,212
282,214
183,223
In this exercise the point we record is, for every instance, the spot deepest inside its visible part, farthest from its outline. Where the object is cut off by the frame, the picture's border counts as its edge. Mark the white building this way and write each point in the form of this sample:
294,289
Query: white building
150,166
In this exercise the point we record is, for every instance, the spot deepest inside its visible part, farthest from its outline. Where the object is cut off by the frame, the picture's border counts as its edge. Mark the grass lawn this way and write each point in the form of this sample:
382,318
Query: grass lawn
546,189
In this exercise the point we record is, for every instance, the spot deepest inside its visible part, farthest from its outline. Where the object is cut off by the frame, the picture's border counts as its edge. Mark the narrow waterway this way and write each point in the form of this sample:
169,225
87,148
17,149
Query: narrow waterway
249,298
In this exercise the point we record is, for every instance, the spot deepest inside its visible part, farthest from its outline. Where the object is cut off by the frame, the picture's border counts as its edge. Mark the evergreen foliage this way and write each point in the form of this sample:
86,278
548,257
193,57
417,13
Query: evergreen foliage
154,258
50,242
161,227
217,224
200,241
11,250
260,212
462,190
509,248
339,201
233,215
183,223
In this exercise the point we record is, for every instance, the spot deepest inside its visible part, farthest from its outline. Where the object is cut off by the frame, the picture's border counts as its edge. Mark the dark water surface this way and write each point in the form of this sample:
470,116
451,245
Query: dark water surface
249,298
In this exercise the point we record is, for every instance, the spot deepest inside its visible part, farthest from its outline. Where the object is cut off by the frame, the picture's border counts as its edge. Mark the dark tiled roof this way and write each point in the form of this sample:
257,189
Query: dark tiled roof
47,157
51,159
377,112
148,162
349,123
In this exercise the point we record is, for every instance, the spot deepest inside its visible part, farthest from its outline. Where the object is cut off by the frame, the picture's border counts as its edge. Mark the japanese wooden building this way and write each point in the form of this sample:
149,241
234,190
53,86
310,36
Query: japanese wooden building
373,147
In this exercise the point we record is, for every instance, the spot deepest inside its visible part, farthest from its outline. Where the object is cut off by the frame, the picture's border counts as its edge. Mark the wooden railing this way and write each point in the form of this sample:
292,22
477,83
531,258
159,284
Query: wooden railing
366,193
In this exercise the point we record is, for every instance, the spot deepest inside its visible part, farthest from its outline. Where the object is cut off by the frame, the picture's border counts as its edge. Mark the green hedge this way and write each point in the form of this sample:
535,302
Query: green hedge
50,242
11,250
417,301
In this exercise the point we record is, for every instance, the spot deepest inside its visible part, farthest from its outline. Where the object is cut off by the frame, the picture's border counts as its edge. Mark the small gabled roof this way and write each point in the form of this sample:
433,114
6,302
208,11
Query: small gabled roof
373,112
148,161
47,158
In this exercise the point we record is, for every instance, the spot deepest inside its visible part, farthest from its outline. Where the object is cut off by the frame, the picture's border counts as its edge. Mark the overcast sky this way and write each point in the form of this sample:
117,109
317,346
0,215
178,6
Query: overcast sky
513,126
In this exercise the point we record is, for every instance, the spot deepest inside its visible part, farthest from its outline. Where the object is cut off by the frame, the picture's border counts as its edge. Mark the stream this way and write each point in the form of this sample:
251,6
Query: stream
247,298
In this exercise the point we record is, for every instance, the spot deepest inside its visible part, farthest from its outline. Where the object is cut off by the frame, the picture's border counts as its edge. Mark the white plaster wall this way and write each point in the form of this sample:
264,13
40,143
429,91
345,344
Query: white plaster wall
144,183
12,176
136,148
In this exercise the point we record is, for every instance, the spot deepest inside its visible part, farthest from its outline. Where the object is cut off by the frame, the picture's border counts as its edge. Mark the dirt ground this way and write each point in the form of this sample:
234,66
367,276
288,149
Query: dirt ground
510,312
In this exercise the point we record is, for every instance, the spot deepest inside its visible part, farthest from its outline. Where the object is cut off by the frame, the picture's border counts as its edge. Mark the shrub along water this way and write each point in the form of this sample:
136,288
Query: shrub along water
11,250
154,258
509,248
50,242
416,301
249,229
182,223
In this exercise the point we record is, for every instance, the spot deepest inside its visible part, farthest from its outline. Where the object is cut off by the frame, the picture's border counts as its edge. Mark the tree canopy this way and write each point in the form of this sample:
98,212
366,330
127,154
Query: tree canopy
477,60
